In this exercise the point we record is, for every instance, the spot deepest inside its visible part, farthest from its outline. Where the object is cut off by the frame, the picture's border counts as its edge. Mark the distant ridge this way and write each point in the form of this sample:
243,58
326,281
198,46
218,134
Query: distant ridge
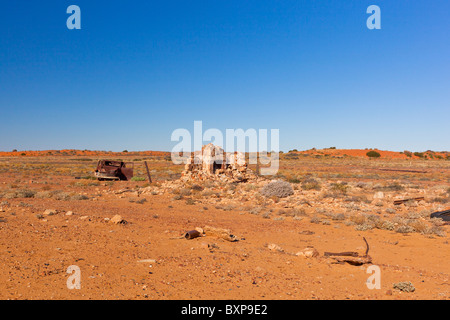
360,153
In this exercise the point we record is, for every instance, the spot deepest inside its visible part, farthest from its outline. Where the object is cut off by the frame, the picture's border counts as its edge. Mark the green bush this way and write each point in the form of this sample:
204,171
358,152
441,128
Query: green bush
373,154
138,179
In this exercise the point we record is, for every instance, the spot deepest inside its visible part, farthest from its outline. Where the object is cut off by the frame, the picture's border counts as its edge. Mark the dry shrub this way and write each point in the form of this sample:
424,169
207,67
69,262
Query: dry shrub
338,216
294,212
419,226
280,189
385,225
64,196
440,200
358,198
44,194
437,231
315,219
391,211
311,184
22,193
404,229
364,227
196,187
437,222
339,188
228,207
358,219
413,215
209,193
185,192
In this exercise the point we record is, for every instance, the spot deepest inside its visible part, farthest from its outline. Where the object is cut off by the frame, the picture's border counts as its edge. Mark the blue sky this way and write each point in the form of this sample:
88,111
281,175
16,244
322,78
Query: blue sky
138,70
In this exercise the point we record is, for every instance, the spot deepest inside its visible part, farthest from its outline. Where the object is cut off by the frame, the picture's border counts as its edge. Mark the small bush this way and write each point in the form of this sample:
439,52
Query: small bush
280,189
185,192
385,225
44,194
364,227
419,226
393,187
196,187
63,196
310,184
405,229
138,179
315,219
440,200
373,154
340,188
141,201
358,219
78,197
391,211
338,217
23,193
408,153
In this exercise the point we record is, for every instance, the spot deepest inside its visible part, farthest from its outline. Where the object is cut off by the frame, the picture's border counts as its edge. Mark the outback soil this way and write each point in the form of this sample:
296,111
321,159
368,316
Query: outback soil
147,256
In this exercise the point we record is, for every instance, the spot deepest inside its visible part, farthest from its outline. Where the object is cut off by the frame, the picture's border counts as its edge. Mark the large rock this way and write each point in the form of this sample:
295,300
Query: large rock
117,219
49,212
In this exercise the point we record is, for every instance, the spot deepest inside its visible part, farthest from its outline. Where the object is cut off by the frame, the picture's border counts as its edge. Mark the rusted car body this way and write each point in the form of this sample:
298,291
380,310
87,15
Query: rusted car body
444,215
113,170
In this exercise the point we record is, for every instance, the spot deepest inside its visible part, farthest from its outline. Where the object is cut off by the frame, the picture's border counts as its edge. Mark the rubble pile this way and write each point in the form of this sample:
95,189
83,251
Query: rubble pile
212,163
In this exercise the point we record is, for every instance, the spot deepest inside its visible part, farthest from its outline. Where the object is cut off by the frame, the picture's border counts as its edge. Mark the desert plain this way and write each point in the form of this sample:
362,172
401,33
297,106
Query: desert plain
128,237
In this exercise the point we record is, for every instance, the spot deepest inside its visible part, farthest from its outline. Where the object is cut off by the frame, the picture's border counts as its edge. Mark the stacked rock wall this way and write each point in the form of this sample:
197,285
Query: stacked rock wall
213,163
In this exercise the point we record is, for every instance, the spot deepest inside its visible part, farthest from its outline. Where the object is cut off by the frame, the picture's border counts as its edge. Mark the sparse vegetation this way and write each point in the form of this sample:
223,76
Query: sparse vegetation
310,184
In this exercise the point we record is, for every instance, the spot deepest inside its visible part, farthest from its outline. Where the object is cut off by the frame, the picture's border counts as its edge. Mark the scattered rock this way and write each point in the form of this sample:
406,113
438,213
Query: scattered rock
404,286
147,261
49,212
117,219
378,195
69,213
220,233
309,252
274,247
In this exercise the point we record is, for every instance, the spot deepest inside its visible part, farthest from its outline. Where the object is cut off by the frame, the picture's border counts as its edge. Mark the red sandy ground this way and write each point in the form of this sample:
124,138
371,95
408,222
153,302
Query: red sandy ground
35,253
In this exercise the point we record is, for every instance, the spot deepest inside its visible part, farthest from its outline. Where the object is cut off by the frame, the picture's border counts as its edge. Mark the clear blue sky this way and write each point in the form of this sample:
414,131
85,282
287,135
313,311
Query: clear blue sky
137,70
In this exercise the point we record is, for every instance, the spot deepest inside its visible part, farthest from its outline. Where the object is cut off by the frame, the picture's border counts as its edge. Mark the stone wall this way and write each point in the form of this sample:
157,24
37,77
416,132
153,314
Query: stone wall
213,163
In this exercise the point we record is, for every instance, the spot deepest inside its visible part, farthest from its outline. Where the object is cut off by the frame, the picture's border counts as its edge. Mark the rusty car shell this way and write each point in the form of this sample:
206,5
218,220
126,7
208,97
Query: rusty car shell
113,170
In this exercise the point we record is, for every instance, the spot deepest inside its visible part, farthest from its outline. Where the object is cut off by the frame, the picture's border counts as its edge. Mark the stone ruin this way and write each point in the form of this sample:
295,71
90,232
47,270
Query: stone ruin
213,163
